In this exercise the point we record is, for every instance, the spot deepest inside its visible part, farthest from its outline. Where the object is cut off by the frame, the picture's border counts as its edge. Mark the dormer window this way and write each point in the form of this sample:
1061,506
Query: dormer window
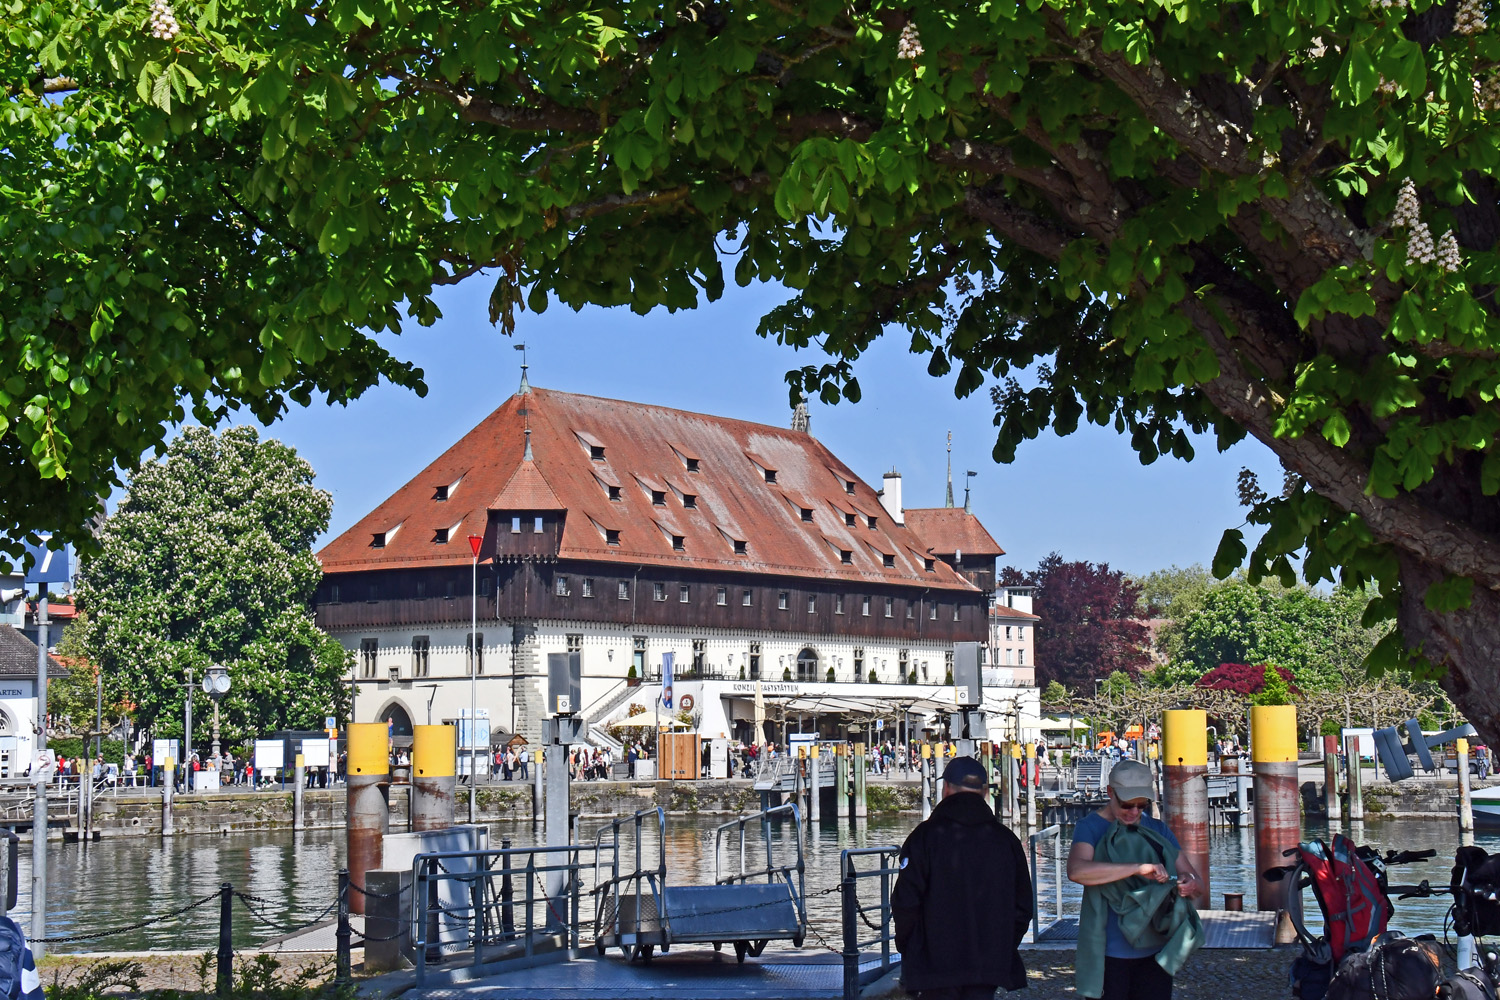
929,564
849,488
870,521
446,490
658,498
846,557
692,464
440,536
377,540
690,501
441,493
678,542
887,560
614,492
807,514
596,452
849,519
740,548
770,475
611,536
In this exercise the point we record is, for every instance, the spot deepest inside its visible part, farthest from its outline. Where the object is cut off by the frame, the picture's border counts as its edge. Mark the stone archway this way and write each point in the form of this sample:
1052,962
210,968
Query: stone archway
807,664
397,718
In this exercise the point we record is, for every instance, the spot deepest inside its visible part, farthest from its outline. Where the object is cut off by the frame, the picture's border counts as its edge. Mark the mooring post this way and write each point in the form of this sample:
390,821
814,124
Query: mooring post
368,810
1184,766
299,779
1356,780
1278,820
1013,771
224,982
1465,802
860,808
341,936
167,829
841,783
923,762
1033,783
1332,804
434,770
814,789
538,796
851,939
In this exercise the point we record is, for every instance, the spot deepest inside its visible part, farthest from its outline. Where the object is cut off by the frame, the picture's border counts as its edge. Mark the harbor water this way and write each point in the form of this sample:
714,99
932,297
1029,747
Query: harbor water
122,881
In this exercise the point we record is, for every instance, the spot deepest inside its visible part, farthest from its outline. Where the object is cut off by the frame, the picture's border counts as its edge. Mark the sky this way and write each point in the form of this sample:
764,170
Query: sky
1085,496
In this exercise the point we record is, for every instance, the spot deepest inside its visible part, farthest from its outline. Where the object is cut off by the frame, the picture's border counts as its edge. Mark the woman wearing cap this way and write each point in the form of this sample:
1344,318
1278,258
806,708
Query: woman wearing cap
1137,927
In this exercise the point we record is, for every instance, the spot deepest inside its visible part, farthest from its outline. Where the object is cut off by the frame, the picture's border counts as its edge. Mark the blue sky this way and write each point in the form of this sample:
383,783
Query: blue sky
1085,496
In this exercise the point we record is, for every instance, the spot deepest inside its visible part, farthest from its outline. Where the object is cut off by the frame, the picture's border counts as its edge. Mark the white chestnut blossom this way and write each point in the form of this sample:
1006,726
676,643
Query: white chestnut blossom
1387,87
1469,19
164,21
1487,93
1419,249
909,45
1391,4
1449,257
1408,208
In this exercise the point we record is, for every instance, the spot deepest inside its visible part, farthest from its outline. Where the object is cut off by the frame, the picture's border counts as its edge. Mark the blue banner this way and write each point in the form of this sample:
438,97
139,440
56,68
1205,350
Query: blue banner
666,679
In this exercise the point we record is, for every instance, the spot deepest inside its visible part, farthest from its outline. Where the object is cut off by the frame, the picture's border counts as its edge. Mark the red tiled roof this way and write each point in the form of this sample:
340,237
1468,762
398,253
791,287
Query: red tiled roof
1001,611
645,443
952,529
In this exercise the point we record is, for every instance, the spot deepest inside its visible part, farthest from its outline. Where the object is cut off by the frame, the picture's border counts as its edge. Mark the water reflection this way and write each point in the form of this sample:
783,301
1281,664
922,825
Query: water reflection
120,881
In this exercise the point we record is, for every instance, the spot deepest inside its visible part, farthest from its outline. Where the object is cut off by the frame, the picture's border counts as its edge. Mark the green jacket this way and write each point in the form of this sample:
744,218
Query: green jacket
1151,914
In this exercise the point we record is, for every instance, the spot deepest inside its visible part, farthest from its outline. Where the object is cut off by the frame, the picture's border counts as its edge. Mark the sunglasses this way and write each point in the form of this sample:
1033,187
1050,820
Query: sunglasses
1132,806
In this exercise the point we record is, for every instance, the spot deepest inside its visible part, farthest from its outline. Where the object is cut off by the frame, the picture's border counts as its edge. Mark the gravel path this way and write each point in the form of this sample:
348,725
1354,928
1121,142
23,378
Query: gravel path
1210,975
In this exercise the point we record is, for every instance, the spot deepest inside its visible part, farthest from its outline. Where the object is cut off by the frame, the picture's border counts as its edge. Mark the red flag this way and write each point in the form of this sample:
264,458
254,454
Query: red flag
474,542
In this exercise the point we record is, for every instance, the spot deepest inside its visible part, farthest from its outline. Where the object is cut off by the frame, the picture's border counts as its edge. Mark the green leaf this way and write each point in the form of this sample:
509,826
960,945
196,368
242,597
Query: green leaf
1230,553
1452,593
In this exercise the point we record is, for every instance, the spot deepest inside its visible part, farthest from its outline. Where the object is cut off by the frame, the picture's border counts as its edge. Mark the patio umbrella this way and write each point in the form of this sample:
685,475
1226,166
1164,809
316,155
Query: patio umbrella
760,715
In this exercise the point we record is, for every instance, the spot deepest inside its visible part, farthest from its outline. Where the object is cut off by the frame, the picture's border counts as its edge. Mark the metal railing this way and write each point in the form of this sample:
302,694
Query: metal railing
772,872
884,935
469,900
1054,834
646,884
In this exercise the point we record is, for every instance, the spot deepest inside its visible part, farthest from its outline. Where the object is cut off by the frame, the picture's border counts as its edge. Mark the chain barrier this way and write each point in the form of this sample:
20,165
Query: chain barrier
149,921
372,894
246,899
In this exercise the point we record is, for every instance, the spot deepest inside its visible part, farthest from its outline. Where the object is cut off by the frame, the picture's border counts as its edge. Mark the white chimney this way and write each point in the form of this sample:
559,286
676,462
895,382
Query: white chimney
890,497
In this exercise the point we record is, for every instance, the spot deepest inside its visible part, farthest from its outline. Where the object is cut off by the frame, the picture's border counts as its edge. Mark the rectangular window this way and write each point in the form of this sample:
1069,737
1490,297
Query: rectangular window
624,591
484,587
859,664
755,661
678,543
1020,633
422,590
838,604
864,606
440,536
1020,657
955,612
536,526
684,594
929,564
948,666
846,557
911,610
611,536
614,492
588,586
596,452
849,487
658,498
690,501
692,464
448,590
745,598
441,493
849,519
575,643
721,596
333,594
377,541
560,587
700,656
373,592
887,560
812,605
368,650
474,642
739,548
658,591
807,514
870,520
781,601
932,612
890,607
421,646
903,666
515,526
770,475
1007,656
1007,632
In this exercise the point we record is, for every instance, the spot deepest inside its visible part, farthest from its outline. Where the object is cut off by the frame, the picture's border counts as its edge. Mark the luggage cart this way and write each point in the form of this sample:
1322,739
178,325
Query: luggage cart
639,912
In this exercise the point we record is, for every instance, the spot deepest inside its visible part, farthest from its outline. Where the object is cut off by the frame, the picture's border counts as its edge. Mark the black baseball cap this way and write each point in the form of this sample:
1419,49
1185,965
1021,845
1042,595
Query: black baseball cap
965,772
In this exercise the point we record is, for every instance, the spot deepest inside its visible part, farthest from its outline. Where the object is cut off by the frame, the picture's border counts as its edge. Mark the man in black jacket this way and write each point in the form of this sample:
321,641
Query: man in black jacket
963,898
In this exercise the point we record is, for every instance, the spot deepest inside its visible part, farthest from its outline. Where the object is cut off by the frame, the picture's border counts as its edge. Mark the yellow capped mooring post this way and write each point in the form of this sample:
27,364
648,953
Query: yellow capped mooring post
860,774
1278,819
1465,801
368,767
1184,763
434,770
814,788
841,783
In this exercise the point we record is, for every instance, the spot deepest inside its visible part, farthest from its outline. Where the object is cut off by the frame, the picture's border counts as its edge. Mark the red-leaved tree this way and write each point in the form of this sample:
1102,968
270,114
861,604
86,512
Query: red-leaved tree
1243,678
1091,621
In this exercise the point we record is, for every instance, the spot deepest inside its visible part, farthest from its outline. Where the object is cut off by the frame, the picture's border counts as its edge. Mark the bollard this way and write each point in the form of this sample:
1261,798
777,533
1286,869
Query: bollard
167,828
841,784
1331,801
224,982
926,781
434,766
815,789
299,778
860,808
1033,782
368,809
1356,780
1013,772
1465,801
558,832
342,970
1184,760
1278,823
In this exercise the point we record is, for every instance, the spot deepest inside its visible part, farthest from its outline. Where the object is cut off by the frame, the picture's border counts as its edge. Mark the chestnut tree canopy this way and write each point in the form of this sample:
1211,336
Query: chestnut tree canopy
1245,217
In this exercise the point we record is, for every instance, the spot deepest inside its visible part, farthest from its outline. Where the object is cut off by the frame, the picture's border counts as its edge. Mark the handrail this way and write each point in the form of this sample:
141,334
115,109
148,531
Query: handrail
849,878
655,878
1053,832
772,870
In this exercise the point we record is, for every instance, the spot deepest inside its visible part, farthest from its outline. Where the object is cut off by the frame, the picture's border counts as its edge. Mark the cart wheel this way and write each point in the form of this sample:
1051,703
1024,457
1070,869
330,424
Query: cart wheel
741,948
718,946
797,941
599,947
646,951
757,947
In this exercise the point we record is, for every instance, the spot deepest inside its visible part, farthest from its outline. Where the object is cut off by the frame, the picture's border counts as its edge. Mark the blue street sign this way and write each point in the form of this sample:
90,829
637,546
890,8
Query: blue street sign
47,565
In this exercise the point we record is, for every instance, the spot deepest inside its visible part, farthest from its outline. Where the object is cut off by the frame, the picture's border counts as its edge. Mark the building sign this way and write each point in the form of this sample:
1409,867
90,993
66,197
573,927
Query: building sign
782,689
14,693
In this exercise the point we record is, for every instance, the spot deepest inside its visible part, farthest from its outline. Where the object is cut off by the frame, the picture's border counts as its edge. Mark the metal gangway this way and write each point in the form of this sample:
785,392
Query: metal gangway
747,907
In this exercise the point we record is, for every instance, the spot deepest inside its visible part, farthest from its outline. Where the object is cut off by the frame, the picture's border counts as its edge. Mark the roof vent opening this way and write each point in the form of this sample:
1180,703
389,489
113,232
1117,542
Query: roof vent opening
678,543
596,452
690,501
846,557
770,475
692,464
887,560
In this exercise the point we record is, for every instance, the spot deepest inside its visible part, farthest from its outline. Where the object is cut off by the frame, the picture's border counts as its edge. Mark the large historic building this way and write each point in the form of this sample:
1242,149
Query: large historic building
625,532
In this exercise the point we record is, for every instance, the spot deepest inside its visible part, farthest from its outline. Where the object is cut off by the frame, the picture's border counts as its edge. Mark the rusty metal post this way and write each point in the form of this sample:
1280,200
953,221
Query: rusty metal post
368,810
1184,766
434,766
1278,820
1356,780
841,784
1332,804
861,810
1465,800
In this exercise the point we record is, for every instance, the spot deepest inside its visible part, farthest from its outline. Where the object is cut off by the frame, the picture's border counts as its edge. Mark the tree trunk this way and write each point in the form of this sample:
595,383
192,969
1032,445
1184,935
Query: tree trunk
1467,642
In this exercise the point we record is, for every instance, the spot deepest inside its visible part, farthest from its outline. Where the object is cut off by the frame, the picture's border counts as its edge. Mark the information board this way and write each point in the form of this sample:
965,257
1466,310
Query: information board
269,754
315,753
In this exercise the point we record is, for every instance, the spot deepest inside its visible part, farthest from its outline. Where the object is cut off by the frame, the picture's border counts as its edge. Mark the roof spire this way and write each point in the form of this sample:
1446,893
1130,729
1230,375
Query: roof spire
800,420
525,389
950,470
968,476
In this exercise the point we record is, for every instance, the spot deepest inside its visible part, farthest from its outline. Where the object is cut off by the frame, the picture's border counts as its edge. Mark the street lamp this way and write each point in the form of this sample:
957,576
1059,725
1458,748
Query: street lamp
216,685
